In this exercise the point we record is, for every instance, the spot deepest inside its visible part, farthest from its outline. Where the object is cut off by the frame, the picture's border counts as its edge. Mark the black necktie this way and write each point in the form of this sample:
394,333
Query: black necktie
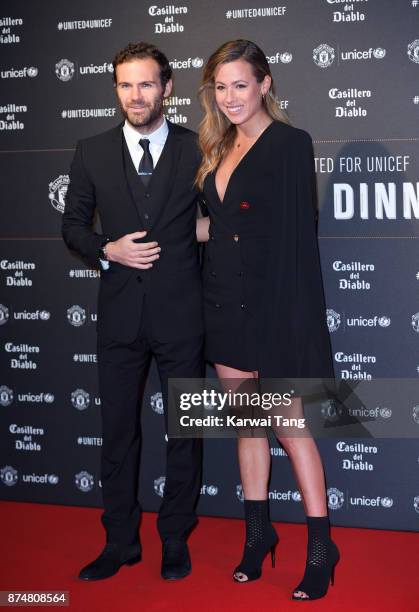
145,169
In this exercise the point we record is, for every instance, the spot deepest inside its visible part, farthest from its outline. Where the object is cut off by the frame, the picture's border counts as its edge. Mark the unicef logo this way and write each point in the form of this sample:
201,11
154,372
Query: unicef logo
49,398
44,315
156,402
32,72
53,479
296,496
335,498
330,411
384,321
64,69
212,490
332,319
8,476
286,57
80,399
4,314
386,413
323,56
413,51
58,191
6,396
416,503
239,493
387,502
379,53
159,484
76,316
415,322
415,414
84,481
197,62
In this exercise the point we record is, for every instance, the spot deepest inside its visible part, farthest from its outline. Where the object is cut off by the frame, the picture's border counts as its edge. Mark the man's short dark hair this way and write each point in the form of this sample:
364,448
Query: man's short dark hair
143,50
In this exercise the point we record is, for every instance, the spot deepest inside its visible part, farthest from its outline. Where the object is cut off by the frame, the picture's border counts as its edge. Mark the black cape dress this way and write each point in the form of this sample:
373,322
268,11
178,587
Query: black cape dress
263,292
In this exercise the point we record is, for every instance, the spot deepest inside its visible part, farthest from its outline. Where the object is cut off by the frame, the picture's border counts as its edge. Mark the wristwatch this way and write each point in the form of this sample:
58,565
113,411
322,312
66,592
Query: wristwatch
102,250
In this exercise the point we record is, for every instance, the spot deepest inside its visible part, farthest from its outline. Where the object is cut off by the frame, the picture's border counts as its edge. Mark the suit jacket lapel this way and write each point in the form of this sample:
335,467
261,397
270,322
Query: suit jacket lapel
164,173
135,185
116,160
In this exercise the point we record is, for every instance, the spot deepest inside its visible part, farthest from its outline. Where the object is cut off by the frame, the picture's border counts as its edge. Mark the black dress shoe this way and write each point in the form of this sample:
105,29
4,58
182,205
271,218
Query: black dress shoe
176,562
111,559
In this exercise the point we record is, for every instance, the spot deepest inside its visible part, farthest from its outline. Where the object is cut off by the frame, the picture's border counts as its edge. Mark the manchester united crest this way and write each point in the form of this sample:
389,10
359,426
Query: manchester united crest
58,190
413,51
76,316
323,56
64,69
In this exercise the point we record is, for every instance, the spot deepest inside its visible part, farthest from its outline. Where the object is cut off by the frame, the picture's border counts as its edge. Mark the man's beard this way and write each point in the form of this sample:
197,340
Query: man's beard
148,115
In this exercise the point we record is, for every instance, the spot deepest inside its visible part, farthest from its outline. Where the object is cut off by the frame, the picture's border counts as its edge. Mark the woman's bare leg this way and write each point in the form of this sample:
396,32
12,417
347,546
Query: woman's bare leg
254,454
254,461
306,463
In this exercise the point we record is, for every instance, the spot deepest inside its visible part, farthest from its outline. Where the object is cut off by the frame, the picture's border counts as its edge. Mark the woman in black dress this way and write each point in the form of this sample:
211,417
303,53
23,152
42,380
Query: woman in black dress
264,303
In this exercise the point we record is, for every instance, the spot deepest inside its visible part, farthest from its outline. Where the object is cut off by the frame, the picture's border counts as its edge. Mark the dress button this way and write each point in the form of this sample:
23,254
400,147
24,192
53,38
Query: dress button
242,306
147,195
212,238
236,237
244,205
218,305
146,216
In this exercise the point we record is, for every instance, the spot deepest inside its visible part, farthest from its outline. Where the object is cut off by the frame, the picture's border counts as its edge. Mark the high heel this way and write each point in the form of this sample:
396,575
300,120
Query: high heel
322,558
273,554
251,563
261,538
332,575
315,583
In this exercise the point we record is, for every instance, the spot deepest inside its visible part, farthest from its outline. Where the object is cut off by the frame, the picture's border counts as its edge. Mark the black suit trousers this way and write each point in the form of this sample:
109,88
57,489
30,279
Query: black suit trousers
122,373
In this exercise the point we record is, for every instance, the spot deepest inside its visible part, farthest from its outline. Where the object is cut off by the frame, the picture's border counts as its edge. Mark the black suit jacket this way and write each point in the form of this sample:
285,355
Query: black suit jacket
98,183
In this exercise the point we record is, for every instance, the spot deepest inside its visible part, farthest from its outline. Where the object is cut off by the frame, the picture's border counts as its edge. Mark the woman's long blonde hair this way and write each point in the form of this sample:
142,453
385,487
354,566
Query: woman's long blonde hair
216,132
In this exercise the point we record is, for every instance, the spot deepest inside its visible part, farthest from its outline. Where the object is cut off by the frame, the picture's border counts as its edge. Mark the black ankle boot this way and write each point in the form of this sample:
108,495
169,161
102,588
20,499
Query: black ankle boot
322,557
261,538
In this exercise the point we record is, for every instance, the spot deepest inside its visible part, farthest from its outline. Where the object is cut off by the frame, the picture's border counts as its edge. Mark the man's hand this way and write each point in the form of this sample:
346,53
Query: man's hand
132,254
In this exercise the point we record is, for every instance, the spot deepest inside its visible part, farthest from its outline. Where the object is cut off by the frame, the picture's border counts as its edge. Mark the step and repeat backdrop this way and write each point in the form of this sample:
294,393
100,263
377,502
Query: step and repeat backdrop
346,71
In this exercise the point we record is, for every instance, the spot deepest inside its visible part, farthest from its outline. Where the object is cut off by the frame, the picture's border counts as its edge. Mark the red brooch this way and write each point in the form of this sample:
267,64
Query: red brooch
244,205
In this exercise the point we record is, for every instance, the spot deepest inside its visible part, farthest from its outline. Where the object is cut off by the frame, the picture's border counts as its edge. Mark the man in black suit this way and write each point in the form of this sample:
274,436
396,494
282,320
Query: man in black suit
139,177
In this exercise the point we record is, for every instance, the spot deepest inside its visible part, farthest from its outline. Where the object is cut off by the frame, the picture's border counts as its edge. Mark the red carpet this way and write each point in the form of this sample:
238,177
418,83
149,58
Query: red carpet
44,546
